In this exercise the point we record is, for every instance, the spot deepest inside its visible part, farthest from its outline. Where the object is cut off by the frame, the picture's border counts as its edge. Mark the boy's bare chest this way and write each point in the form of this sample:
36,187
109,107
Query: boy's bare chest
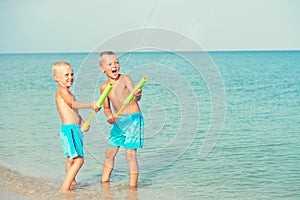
119,91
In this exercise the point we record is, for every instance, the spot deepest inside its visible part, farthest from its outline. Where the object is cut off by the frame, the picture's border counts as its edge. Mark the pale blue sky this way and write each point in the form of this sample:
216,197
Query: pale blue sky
81,25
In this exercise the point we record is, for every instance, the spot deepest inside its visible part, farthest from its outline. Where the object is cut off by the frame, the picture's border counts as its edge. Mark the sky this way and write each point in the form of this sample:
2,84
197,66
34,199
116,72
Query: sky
30,26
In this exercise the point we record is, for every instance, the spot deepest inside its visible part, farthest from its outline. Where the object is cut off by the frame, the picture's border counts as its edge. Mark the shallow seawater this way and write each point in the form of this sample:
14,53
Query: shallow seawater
20,186
238,109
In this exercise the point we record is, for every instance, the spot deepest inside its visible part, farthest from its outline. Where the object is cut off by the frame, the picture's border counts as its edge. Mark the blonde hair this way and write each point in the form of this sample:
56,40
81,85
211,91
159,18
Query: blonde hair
59,65
109,53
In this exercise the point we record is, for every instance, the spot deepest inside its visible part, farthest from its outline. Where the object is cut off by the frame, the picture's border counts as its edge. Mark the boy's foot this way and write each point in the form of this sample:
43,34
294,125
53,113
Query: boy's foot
74,183
103,182
63,190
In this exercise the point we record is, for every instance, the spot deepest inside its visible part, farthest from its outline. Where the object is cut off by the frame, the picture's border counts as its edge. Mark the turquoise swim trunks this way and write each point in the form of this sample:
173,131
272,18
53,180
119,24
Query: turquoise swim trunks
71,140
128,131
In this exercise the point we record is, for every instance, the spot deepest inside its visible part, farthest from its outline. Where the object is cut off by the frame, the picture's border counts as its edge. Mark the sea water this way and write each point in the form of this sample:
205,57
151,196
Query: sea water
218,125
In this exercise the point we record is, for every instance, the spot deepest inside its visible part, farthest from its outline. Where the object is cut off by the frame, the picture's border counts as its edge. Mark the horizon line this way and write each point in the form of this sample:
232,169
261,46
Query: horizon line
213,50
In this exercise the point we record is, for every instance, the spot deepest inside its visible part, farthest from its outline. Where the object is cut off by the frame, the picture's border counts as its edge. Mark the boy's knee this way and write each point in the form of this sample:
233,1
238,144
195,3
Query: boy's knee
70,161
130,155
79,160
110,156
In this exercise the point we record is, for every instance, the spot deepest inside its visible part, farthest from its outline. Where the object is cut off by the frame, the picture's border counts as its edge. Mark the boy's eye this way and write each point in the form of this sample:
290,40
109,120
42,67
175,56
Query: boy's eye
115,63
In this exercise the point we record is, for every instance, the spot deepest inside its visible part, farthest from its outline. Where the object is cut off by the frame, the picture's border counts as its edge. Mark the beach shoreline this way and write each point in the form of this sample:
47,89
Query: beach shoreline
16,185
9,195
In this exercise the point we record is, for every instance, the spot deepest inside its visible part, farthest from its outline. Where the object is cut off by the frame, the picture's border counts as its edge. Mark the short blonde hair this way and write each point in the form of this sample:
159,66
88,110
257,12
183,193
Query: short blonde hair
105,53
59,65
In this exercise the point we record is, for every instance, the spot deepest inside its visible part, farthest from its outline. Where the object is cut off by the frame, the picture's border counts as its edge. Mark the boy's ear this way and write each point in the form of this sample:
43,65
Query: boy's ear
56,78
102,69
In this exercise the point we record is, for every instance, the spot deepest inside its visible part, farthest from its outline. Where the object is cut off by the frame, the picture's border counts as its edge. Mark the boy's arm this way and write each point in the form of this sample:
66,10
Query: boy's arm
106,106
70,100
66,96
83,127
107,110
82,105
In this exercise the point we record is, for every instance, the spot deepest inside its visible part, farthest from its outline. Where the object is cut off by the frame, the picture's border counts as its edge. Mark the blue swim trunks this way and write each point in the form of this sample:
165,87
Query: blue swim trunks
71,140
128,131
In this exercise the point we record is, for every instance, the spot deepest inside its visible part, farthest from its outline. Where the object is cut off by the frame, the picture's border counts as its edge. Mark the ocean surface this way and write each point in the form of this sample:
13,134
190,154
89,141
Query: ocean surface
218,125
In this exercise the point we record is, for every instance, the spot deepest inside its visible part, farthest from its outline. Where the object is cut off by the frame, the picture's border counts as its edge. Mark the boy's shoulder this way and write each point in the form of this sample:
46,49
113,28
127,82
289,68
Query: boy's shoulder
61,91
125,77
103,85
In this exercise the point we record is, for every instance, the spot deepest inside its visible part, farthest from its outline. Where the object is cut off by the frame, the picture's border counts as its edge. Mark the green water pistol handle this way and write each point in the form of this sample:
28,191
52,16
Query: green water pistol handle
99,103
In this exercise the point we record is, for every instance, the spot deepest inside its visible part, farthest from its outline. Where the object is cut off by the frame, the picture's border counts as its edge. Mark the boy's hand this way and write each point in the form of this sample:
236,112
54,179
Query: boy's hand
138,94
85,128
96,107
111,119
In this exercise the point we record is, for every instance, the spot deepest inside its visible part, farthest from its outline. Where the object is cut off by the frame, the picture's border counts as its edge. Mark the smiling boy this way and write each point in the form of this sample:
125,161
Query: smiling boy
70,134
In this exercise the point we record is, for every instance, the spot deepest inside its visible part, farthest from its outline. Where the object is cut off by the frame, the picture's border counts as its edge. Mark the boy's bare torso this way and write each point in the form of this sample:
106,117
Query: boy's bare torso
123,86
67,114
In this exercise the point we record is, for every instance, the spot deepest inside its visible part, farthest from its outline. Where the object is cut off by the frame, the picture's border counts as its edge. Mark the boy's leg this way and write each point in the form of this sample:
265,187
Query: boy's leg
108,165
132,166
72,172
68,165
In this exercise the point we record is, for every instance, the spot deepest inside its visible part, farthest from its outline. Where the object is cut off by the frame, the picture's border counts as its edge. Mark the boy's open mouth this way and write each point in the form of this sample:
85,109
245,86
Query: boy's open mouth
114,71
